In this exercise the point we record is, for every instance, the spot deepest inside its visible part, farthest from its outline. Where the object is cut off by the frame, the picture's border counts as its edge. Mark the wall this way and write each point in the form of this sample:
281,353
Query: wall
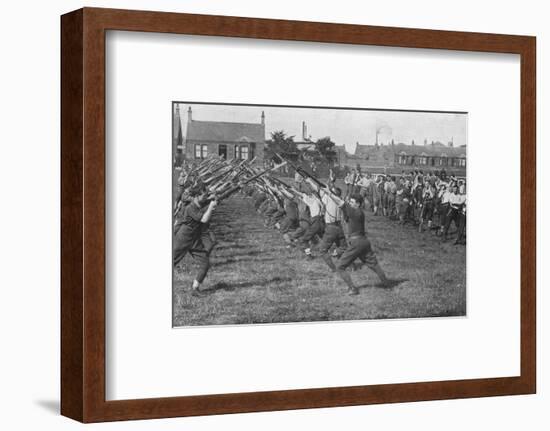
254,149
29,222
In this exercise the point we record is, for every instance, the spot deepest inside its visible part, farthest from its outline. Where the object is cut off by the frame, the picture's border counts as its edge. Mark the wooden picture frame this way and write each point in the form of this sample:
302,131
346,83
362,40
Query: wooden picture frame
83,214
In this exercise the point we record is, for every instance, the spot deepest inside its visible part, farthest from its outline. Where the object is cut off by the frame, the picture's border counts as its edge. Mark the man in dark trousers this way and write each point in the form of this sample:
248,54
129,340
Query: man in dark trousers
191,232
333,233
359,247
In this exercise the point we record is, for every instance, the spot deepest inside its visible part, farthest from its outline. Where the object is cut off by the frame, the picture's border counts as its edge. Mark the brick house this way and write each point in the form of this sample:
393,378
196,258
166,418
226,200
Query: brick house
227,139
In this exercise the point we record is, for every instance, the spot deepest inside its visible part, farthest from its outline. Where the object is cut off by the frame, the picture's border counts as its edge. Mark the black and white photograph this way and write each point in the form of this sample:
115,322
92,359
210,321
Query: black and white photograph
305,214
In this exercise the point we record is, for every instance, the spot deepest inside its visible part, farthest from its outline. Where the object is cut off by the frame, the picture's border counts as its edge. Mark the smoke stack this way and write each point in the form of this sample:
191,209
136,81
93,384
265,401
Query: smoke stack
263,117
189,115
304,131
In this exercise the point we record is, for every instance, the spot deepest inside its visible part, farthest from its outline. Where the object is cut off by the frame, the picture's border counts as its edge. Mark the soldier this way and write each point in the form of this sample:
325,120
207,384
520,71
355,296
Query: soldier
298,180
304,221
334,232
427,207
259,197
443,207
270,209
392,189
190,233
461,234
402,200
359,247
275,217
379,201
316,222
456,201
348,181
290,220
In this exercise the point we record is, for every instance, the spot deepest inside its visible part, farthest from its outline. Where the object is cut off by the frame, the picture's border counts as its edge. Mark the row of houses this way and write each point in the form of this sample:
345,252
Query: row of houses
396,156
247,141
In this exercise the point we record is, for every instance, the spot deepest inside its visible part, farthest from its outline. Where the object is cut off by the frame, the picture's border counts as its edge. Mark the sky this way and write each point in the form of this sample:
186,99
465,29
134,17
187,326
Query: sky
344,126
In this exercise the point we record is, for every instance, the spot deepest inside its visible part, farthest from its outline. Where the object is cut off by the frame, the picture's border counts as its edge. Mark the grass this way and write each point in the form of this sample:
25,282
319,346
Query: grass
254,278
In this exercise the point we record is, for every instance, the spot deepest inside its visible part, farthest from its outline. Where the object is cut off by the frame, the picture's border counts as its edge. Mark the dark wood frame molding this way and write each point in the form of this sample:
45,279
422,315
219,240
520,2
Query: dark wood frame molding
83,214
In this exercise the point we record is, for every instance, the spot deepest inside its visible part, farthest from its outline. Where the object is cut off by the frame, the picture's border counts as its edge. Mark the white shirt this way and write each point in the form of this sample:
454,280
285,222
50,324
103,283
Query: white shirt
333,213
364,182
314,205
456,200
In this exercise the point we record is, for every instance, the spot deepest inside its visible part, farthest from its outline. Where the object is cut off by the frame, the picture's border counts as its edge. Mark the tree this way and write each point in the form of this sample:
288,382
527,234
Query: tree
281,143
325,147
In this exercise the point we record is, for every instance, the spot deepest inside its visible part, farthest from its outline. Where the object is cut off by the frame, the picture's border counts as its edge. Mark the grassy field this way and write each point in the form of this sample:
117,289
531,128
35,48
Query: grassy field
254,278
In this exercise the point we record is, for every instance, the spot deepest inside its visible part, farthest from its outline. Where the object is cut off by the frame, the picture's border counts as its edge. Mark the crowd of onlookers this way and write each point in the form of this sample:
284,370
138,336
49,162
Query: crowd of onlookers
432,201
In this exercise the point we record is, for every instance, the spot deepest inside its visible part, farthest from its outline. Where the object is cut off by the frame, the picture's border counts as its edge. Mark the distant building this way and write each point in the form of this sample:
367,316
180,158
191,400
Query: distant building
177,137
397,157
305,144
220,138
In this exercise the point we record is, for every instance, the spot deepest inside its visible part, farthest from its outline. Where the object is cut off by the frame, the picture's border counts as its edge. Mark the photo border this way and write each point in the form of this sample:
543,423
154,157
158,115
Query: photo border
83,214
267,105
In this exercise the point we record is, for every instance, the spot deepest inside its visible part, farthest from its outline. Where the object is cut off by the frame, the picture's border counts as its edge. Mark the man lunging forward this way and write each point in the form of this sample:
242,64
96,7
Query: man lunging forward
190,234
359,246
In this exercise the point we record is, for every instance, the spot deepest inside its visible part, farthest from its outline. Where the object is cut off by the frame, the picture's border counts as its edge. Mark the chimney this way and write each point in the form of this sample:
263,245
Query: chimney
304,131
189,115
263,118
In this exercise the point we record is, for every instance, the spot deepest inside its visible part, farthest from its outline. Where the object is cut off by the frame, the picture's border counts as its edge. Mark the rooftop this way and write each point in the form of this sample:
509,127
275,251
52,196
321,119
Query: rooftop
222,131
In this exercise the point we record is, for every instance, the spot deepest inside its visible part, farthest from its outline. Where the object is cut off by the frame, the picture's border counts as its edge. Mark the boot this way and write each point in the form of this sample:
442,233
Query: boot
329,262
381,275
197,293
352,290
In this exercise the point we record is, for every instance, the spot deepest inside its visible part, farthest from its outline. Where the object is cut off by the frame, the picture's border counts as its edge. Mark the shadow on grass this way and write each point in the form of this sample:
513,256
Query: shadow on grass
233,247
389,285
230,287
231,260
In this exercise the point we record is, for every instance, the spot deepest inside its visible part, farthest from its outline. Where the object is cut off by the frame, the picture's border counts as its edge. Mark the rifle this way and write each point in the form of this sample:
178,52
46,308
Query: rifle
212,166
283,188
303,172
241,184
